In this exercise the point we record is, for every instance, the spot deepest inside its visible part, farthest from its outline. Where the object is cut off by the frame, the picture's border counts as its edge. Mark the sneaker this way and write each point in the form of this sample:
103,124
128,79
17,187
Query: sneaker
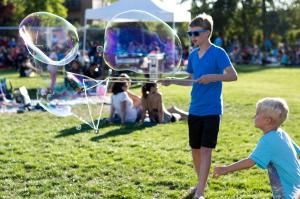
198,195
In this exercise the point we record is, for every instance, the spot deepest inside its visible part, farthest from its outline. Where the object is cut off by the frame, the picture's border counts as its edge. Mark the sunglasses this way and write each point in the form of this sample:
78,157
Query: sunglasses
196,33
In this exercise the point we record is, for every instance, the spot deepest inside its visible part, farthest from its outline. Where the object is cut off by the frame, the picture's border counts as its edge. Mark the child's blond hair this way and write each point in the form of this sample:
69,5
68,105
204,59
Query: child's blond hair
275,108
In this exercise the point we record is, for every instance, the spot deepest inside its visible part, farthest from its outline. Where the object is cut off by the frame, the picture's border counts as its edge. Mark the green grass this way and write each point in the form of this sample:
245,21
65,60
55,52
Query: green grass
43,156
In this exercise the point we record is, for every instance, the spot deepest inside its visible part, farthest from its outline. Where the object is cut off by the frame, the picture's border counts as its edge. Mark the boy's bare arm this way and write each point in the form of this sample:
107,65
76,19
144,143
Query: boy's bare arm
229,75
242,164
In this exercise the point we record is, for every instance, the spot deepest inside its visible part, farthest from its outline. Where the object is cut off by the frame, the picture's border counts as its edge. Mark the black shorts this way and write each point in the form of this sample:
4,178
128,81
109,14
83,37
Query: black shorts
203,131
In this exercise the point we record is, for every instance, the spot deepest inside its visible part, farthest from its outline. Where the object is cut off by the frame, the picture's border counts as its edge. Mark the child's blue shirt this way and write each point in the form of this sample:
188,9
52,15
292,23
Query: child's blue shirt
206,99
277,152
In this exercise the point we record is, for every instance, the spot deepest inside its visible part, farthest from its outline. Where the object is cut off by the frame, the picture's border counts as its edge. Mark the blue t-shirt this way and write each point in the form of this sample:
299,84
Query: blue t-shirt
206,99
277,152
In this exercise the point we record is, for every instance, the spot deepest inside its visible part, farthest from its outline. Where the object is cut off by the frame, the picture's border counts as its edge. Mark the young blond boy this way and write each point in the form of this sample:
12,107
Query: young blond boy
275,150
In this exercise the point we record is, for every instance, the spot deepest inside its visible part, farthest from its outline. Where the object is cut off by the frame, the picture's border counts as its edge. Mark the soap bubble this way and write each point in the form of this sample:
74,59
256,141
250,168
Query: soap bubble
140,42
76,95
49,38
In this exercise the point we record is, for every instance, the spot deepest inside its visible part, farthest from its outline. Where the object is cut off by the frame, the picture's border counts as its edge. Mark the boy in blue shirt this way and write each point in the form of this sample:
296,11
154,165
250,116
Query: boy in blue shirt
208,67
275,150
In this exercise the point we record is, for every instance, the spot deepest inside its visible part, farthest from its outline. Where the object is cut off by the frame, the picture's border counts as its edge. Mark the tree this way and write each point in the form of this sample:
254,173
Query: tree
22,8
200,6
6,11
222,13
293,13
251,20
266,32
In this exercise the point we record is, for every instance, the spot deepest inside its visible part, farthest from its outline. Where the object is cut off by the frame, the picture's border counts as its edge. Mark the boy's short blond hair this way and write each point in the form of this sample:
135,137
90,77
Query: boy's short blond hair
276,108
203,20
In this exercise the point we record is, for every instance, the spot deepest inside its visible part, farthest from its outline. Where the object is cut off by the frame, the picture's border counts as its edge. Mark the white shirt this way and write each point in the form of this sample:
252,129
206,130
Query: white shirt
131,112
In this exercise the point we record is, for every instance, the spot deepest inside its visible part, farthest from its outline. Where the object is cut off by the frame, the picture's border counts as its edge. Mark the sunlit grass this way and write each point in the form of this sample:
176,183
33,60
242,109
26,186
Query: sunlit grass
43,156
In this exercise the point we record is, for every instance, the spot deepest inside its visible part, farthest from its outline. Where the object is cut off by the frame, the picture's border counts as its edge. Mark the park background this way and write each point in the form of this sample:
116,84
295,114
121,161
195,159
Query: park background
43,156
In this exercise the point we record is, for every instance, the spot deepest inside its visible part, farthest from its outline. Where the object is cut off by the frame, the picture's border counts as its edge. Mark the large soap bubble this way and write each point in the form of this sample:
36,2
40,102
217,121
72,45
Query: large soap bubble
49,38
53,45
140,42
76,95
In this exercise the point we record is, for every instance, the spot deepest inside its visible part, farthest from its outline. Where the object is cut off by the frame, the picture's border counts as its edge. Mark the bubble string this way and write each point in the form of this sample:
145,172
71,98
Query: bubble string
146,80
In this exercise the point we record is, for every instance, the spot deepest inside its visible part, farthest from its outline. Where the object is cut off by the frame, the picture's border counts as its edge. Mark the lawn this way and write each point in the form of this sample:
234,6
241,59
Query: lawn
43,156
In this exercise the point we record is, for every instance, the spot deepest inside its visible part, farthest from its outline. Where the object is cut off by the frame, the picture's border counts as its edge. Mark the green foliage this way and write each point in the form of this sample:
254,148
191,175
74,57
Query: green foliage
26,7
182,28
43,156
293,35
258,38
244,18
222,13
6,12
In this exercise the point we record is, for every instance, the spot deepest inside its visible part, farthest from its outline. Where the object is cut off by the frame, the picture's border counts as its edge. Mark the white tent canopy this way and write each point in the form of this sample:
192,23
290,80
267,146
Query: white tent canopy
165,12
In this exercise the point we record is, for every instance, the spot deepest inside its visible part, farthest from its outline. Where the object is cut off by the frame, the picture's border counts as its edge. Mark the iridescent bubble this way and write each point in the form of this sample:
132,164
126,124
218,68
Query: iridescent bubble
76,95
49,38
64,91
140,42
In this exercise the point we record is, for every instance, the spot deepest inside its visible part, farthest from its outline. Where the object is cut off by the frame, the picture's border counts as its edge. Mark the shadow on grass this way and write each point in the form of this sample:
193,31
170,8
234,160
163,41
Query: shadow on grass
123,130
73,131
188,195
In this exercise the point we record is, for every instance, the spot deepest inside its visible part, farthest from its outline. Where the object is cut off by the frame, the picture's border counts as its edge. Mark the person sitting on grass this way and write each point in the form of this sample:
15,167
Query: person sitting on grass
153,104
275,151
135,98
122,108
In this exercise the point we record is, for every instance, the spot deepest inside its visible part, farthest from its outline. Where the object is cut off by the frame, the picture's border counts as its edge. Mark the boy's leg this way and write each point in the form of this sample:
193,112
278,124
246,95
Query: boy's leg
196,155
195,136
208,143
205,162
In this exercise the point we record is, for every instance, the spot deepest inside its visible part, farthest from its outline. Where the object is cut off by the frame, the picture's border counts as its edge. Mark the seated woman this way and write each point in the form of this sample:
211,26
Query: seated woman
153,104
122,108
135,98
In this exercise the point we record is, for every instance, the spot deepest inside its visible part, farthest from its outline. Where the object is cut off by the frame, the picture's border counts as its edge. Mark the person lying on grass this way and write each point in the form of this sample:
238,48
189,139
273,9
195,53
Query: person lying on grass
275,151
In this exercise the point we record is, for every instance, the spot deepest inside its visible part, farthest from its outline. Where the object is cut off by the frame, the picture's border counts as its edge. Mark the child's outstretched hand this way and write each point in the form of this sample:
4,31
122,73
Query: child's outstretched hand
219,171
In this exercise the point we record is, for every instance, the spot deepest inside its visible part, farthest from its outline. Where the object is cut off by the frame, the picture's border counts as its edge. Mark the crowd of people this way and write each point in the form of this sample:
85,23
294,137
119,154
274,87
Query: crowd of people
14,54
268,53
